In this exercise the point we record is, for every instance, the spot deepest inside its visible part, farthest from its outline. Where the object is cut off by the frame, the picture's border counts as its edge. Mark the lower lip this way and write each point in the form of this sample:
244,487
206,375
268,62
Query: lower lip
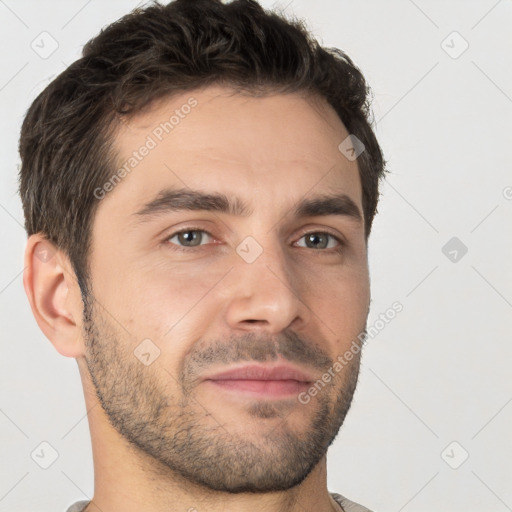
268,388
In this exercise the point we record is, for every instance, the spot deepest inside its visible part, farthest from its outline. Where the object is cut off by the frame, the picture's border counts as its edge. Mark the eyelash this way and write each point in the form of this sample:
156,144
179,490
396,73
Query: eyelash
175,247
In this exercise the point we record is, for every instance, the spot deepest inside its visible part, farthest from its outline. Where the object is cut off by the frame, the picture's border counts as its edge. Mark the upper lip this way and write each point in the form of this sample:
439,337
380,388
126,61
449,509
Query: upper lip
259,372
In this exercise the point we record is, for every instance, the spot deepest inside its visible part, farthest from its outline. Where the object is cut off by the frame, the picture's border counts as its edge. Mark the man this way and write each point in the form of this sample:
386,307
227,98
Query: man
199,189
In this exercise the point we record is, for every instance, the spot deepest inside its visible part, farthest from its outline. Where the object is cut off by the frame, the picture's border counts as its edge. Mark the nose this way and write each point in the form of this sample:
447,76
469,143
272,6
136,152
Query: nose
266,295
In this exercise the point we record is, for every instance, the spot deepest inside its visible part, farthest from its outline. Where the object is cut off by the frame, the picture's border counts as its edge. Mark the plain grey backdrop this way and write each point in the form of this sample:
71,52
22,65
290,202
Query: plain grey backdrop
430,426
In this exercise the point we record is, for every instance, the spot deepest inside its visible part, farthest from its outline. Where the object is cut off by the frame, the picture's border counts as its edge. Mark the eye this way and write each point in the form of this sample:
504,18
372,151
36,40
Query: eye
320,240
190,238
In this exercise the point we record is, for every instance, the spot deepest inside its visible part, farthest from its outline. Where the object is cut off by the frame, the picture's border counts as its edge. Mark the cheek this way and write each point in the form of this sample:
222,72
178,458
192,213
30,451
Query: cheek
340,300
164,300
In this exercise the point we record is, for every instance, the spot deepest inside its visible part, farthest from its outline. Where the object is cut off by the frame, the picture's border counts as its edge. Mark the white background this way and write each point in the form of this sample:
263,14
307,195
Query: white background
440,371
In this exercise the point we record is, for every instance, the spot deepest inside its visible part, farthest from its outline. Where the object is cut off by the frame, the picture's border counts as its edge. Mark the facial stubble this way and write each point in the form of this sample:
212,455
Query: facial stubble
183,437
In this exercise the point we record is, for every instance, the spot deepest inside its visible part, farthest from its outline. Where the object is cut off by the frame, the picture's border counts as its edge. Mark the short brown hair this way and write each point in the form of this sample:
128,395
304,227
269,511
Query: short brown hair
66,138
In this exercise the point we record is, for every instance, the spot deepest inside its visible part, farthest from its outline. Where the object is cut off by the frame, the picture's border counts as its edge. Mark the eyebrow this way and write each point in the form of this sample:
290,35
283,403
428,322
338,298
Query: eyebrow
176,200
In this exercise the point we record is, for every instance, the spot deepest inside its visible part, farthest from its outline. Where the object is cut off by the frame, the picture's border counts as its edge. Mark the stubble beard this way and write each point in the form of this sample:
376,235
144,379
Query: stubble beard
183,439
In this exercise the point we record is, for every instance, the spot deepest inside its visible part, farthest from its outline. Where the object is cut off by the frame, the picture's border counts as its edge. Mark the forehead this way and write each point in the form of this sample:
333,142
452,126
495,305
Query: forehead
275,148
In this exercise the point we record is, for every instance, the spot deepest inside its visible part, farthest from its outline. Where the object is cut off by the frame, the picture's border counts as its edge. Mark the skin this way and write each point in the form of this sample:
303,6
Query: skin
163,439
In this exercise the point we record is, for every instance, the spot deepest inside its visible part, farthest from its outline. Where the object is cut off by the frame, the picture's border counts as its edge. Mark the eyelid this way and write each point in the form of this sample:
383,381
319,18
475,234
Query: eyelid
337,236
184,230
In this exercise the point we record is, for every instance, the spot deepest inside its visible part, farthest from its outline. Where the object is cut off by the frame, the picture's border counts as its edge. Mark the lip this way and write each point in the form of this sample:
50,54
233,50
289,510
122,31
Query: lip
254,372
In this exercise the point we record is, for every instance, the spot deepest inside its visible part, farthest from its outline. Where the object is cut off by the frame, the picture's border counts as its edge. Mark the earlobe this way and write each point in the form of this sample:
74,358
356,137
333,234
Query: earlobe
53,294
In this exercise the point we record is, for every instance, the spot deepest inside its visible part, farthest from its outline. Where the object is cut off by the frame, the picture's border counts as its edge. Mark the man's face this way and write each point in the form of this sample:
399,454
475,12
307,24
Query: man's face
282,285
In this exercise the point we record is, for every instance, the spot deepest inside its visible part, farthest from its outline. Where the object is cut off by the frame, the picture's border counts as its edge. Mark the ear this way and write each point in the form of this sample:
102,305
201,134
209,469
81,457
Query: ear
54,295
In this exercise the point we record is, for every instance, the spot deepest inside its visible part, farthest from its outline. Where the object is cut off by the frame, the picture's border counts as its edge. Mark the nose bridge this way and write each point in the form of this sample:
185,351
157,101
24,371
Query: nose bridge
265,264
274,266
264,291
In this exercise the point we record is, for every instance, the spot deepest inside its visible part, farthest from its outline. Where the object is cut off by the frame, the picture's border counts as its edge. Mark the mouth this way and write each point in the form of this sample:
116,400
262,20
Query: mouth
262,381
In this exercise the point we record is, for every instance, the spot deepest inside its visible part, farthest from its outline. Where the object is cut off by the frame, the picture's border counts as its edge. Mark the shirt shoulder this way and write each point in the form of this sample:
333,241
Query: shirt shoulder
347,505
78,506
